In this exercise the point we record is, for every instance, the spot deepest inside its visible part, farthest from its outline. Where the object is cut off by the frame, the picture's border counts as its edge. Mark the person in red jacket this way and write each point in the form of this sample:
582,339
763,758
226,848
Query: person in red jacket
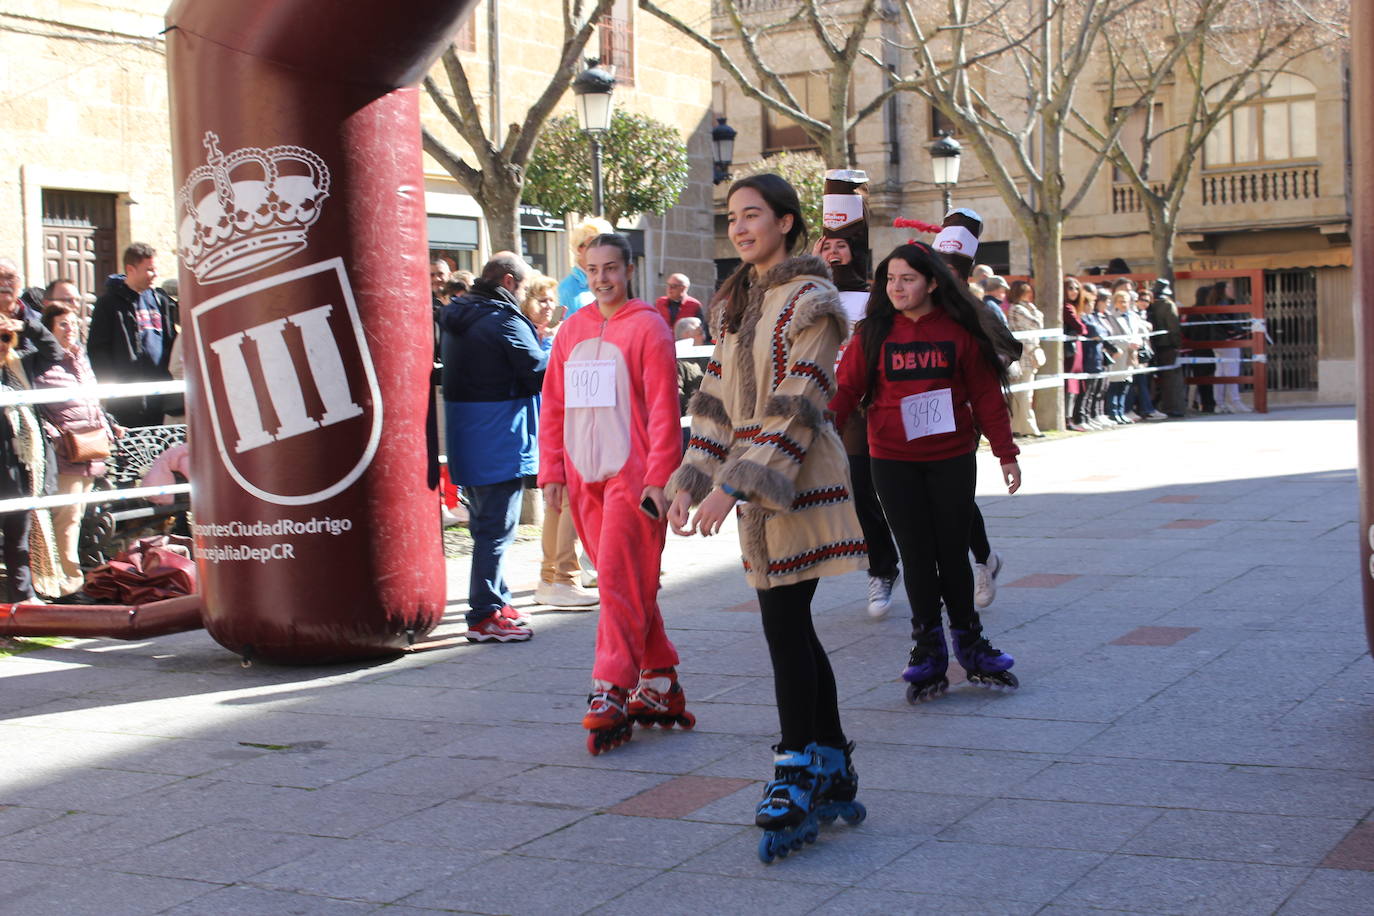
609,433
930,379
677,305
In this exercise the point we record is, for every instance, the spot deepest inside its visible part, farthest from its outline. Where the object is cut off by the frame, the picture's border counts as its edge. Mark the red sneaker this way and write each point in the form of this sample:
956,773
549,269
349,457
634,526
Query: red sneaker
498,628
514,616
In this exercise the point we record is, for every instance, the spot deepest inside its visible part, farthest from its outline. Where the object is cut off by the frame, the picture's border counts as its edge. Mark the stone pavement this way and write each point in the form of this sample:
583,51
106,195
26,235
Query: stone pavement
1194,733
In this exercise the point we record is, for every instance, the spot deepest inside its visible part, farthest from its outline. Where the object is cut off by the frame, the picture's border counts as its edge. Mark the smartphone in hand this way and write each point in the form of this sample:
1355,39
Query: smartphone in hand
649,508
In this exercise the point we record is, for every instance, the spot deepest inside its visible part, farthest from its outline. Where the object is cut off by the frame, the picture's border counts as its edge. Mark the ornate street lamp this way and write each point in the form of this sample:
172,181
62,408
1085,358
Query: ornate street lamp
722,150
593,88
944,161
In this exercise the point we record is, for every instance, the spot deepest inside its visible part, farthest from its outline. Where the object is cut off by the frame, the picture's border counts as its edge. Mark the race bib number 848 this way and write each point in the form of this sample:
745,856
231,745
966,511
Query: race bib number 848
928,413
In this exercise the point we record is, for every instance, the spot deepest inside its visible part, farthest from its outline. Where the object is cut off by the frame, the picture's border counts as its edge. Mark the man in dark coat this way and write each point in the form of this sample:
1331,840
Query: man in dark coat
493,372
132,329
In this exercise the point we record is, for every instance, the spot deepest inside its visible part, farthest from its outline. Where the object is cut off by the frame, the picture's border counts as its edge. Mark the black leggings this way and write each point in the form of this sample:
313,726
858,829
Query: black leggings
929,506
802,678
882,553
978,537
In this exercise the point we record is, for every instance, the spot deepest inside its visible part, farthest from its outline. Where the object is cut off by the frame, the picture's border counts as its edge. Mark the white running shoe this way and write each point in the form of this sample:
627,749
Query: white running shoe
563,594
1224,408
1242,407
1157,415
880,595
985,580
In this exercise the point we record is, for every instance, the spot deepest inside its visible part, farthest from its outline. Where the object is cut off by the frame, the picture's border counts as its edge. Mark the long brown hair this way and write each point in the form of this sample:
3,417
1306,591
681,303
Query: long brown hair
950,296
781,197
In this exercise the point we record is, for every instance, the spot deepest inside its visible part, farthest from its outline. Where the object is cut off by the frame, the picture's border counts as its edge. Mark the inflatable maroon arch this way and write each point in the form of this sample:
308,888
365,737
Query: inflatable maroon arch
1362,193
305,305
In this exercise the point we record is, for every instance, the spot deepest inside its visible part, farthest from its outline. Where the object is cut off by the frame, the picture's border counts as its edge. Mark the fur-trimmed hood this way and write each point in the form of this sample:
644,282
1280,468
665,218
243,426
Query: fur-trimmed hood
803,265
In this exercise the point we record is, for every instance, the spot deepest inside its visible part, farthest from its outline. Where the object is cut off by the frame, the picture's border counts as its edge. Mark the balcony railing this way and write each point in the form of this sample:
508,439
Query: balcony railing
1261,186
754,6
1126,197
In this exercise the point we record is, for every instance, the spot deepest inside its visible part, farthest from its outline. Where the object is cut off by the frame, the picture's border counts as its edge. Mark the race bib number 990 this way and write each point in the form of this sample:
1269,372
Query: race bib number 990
589,383
928,413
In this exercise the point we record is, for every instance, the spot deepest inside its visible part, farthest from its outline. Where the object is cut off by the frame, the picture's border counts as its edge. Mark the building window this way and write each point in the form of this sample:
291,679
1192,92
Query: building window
454,238
618,42
1278,125
1133,138
996,255
812,92
939,122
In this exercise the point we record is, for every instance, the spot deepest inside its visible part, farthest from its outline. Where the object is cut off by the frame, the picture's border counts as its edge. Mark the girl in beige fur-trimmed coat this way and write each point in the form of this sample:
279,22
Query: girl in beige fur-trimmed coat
762,439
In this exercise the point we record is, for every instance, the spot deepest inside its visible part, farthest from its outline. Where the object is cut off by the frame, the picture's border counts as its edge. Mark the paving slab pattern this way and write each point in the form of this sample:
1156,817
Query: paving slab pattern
1194,733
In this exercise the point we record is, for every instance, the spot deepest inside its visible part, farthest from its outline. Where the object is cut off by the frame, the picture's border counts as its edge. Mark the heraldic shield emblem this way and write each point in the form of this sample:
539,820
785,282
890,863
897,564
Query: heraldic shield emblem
294,401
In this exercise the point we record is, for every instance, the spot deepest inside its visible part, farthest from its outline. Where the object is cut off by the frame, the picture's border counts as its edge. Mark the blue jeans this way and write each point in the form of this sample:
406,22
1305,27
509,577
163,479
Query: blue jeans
1116,398
494,511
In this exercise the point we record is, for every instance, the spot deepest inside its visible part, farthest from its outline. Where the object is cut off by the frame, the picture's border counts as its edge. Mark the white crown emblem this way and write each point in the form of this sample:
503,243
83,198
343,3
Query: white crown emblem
256,210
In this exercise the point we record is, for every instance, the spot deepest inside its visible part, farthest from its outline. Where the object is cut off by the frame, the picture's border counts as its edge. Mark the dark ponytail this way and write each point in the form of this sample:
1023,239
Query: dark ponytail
951,296
781,197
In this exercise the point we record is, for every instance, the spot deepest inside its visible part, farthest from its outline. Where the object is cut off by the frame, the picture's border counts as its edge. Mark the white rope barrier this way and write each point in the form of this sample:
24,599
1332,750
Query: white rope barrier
25,503
12,397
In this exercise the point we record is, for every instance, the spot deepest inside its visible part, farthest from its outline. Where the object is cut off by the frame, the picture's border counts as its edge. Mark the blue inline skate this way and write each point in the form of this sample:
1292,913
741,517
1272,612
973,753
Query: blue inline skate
925,673
837,784
984,665
787,811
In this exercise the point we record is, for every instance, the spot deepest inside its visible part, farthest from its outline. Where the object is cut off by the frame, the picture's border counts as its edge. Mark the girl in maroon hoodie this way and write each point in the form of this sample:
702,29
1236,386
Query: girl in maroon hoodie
930,379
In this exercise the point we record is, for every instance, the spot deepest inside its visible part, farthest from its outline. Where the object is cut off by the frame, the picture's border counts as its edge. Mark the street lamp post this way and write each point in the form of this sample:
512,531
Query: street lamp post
593,88
722,150
944,160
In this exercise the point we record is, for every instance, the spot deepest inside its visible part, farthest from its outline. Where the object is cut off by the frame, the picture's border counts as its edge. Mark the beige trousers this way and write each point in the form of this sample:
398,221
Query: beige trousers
66,524
1023,407
560,546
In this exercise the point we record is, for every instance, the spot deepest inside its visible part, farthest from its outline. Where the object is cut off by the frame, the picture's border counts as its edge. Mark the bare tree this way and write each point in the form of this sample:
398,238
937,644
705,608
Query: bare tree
761,74
1233,50
497,179
964,57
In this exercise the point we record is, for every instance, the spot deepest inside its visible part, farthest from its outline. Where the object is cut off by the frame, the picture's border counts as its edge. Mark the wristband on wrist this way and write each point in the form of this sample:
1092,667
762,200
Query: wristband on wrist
731,491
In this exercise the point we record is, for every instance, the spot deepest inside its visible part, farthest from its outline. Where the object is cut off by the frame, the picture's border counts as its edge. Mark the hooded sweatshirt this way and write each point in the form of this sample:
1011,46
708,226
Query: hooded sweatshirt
639,436
927,355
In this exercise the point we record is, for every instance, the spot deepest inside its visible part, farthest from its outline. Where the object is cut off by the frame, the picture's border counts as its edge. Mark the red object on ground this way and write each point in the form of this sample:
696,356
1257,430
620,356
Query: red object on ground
116,621
304,275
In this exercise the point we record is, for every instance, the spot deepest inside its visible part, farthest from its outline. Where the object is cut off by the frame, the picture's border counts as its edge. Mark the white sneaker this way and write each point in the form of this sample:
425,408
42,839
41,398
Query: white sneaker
985,580
1224,408
563,594
1157,415
1242,407
880,595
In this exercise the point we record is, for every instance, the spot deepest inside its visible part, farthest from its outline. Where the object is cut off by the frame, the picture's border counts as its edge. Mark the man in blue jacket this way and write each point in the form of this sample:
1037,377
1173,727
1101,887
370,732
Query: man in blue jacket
493,371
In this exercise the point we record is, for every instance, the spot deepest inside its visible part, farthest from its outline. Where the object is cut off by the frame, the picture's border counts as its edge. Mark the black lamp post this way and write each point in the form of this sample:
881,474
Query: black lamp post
944,160
593,88
722,150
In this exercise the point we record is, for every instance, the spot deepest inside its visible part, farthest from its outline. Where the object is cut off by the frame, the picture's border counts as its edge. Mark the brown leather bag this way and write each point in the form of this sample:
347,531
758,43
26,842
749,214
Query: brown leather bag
85,445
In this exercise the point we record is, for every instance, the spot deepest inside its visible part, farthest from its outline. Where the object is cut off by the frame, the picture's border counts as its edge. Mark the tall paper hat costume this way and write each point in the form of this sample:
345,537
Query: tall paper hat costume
845,216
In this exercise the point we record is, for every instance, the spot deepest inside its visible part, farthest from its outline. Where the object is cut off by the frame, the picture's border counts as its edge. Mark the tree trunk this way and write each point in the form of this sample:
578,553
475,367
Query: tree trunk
1163,235
501,207
1047,258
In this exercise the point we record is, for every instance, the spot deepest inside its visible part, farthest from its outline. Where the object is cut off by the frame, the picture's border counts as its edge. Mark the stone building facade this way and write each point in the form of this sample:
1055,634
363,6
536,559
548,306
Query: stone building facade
1272,197
85,162
657,74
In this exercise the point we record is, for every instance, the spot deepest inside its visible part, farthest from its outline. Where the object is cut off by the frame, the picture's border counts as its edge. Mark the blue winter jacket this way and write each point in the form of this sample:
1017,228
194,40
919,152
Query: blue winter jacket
493,371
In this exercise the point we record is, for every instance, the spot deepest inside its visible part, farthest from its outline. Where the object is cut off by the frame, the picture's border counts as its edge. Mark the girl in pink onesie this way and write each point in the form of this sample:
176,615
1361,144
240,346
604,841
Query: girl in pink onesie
609,431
